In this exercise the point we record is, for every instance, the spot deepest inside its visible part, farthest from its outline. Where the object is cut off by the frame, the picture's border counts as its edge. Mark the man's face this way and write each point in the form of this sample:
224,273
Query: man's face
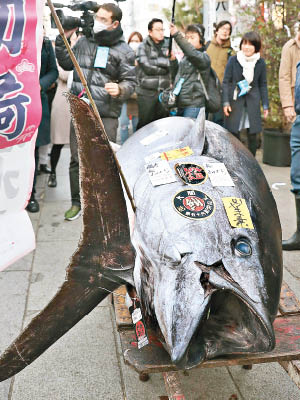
223,33
157,32
194,39
105,17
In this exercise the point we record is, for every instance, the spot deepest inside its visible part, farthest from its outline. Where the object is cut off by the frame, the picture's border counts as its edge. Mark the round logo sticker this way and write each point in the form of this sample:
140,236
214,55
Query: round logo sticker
191,174
193,204
140,329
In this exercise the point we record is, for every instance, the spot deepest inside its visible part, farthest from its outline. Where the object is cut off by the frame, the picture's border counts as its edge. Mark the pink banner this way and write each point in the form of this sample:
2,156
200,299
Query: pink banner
20,102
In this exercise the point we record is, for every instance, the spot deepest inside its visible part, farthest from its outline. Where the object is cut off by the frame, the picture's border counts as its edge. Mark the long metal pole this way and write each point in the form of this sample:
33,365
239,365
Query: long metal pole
94,107
172,20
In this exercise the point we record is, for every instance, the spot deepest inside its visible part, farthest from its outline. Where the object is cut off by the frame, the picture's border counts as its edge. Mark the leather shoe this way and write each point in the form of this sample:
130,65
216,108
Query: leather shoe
33,206
44,169
52,180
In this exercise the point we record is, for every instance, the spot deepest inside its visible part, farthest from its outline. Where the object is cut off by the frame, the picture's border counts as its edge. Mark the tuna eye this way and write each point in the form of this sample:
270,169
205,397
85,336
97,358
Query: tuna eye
243,248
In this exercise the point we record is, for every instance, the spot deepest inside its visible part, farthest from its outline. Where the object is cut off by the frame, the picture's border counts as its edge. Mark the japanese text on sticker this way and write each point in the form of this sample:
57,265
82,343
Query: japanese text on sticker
237,212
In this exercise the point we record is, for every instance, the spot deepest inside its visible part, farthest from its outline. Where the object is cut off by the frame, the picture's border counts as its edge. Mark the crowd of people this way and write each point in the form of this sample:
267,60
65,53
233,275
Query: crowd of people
132,83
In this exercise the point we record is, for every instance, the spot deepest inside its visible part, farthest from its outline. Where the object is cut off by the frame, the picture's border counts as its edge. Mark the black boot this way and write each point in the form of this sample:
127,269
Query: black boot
33,205
294,242
52,180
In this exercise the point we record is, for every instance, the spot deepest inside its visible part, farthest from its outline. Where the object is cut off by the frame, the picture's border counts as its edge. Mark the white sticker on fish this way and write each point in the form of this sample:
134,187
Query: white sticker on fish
153,137
160,172
218,174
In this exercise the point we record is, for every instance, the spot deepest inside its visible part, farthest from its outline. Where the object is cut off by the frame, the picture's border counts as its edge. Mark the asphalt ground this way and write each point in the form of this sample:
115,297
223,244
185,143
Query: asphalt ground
87,363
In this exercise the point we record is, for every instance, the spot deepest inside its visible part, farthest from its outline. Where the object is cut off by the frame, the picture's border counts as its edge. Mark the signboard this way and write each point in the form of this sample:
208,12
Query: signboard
20,114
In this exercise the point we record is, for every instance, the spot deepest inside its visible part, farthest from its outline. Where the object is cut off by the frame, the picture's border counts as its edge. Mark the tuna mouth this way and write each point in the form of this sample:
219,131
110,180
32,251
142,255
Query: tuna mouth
230,325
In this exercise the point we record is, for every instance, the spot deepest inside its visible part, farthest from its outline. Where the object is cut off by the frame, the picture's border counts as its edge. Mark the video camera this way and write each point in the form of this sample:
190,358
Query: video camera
85,22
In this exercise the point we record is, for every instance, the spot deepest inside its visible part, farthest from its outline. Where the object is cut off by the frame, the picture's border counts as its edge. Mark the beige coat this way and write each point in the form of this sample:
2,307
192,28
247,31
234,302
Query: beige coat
219,55
60,113
290,56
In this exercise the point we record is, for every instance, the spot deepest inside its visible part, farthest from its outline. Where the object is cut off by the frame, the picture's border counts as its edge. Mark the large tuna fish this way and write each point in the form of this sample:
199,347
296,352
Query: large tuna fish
209,288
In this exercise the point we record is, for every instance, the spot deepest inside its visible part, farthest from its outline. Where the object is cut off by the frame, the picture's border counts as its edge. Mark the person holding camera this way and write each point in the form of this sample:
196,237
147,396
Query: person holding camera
108,65
190,93
155,73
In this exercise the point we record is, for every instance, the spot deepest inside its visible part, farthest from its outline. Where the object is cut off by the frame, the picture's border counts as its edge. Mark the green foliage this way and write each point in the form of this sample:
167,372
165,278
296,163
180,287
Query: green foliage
186,12
274,36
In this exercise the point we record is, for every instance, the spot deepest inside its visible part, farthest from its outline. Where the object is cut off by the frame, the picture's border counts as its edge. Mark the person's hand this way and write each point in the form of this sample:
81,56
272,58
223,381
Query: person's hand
112,88
173,57
266,113
227,110
70,32
289,113
173,29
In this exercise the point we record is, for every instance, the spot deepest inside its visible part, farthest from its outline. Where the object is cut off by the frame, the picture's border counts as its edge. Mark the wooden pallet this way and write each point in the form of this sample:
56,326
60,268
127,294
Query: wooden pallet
153,358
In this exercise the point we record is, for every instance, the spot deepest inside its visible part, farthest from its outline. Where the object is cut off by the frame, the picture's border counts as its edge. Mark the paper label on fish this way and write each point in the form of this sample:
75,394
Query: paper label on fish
176,153
153,137
218,174
237,212
139,324
160,173
136,315
191,174
143,342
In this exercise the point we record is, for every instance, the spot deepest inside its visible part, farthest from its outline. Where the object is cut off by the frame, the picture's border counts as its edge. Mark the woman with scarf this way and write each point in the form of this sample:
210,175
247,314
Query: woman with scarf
244,89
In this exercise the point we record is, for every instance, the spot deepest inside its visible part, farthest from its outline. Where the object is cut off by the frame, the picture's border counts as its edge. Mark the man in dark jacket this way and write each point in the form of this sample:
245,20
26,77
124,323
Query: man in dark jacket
108,65
154,73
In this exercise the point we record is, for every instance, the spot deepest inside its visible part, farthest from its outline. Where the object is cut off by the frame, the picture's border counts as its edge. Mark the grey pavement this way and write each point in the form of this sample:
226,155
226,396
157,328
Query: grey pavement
87,363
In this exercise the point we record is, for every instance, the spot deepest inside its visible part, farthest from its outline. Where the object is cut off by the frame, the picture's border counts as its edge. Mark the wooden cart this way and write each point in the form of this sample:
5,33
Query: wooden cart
153,358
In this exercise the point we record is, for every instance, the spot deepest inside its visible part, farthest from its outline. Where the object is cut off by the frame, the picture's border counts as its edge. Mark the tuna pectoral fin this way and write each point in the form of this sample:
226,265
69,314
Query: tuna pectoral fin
70,305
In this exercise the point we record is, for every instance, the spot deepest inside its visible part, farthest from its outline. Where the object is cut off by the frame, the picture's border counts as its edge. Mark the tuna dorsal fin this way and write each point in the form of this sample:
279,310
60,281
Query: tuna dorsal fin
196,137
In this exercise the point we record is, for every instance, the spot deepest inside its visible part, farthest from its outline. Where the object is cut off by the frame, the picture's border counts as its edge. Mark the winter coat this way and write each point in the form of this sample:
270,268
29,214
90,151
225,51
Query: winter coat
290,56
48,75
155,70
60,114
193,62
119,68
219,55
257,94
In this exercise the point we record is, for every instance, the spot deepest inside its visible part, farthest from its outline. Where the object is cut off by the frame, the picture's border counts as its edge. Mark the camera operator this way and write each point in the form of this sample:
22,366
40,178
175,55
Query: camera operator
108,65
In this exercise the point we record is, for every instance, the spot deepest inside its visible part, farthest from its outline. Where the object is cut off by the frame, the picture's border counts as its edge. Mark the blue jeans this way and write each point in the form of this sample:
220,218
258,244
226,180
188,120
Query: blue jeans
189,112
124,123
295,149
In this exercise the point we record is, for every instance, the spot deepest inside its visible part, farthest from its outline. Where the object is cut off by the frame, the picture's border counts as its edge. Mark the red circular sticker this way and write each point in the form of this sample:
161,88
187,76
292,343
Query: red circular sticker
193,204
140,329
191,174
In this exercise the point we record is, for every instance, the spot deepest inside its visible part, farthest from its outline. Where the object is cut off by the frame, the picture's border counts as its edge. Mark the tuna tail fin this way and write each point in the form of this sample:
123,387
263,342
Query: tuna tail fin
104,259
196,138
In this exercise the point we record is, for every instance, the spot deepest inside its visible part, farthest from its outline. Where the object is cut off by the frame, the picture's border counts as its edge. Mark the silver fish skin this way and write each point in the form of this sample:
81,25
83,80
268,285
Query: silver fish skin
207,297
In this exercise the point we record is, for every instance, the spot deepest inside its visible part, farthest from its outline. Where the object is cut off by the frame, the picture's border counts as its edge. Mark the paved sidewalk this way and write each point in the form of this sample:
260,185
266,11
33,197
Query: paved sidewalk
86,363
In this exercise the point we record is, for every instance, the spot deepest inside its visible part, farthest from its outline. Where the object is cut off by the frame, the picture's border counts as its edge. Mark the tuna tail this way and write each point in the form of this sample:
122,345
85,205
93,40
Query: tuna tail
196,138
104,258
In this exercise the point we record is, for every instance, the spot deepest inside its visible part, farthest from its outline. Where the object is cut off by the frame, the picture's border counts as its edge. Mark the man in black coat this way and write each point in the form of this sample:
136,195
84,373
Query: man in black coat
156,71
108,65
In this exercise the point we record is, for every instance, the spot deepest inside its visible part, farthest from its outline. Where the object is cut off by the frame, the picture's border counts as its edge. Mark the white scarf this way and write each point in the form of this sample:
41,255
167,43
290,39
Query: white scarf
248,64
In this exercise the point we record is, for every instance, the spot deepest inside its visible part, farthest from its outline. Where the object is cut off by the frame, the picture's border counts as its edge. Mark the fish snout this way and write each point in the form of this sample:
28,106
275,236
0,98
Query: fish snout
209,315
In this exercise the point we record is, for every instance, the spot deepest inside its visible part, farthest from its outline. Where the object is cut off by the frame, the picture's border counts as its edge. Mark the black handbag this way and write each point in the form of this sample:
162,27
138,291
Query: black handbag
212,92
